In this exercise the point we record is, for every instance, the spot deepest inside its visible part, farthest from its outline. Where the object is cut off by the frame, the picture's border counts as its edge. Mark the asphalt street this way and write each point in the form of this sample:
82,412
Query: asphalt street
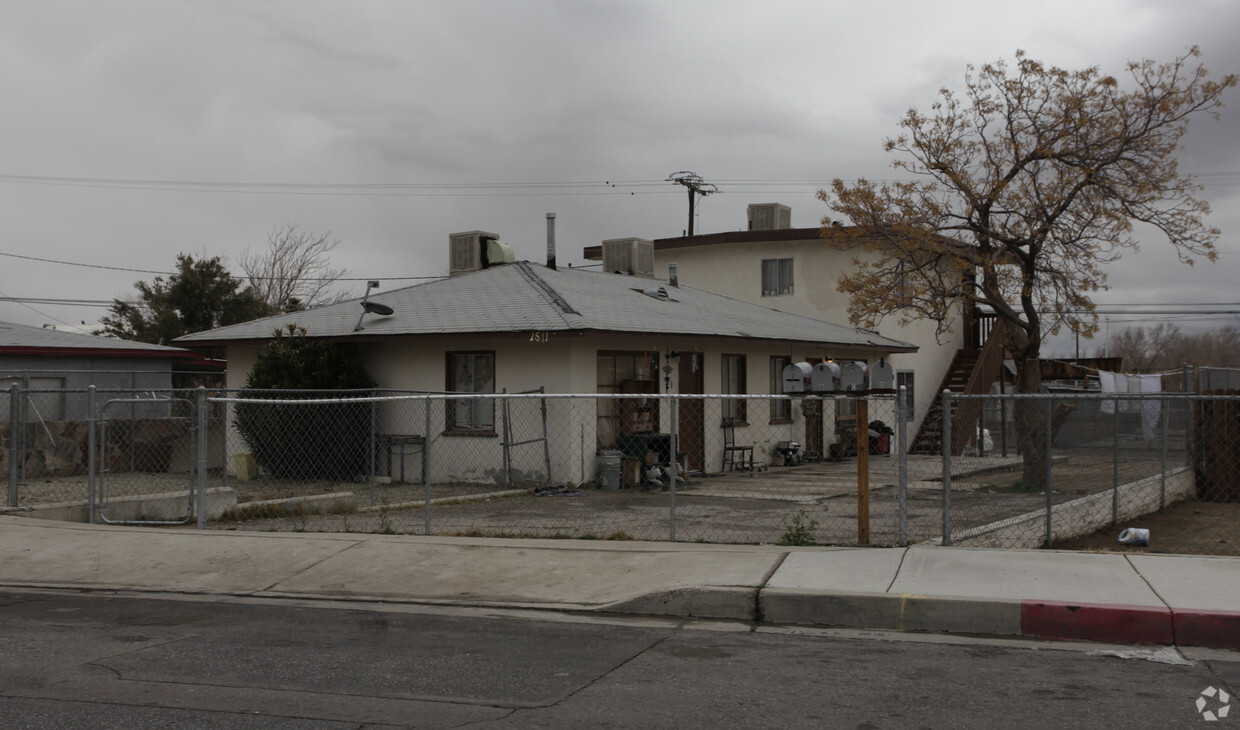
102,660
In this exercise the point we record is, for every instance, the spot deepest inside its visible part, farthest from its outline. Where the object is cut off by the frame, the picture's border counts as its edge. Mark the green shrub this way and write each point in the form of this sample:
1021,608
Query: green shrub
799,531
324,441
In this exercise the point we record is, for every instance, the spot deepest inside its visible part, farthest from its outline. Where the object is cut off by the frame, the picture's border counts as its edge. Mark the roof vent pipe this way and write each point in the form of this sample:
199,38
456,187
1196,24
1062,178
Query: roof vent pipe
551,240
673,276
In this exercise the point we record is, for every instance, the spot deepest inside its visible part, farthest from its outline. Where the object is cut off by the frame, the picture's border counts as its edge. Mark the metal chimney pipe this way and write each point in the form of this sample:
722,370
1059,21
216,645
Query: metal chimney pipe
551,240
673,277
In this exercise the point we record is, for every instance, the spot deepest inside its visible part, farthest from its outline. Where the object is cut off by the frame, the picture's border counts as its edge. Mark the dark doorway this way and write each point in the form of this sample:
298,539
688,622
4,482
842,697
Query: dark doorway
692,410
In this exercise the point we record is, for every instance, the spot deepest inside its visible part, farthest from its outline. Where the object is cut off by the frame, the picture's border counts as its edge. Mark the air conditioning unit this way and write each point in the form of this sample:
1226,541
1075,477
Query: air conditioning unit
629,256
769,217
476,250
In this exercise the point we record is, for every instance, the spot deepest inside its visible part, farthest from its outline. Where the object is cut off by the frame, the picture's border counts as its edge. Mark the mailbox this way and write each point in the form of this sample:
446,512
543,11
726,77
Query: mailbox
825,377
882,376
796,377
852,376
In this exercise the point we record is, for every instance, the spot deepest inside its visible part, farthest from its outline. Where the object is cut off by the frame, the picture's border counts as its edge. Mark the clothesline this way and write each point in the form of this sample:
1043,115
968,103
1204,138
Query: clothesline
1096,370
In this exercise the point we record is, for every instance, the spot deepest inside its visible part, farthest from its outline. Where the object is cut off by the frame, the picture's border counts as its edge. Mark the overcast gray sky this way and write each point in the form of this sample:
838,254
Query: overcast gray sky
487,114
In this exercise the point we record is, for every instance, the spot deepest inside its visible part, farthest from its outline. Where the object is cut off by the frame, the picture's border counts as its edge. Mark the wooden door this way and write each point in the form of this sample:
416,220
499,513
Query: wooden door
691,410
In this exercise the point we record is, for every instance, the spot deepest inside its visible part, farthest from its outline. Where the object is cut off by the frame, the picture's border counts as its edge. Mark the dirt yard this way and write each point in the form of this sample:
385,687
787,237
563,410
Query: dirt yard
1199,528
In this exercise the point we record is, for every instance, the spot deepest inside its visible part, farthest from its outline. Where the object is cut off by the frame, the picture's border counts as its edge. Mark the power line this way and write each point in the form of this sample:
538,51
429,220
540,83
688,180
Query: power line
36,311
172,273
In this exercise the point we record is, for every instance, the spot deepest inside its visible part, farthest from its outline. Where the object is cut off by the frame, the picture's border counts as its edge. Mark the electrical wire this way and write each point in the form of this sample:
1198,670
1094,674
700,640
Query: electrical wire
466,189
172,273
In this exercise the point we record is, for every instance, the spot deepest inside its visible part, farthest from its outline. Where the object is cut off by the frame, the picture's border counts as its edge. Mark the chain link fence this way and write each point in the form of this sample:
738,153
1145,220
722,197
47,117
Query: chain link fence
1074,463
1012,471
647,467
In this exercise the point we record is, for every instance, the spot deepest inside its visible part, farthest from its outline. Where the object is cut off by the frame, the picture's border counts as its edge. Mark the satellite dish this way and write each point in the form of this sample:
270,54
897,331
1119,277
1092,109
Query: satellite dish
369,307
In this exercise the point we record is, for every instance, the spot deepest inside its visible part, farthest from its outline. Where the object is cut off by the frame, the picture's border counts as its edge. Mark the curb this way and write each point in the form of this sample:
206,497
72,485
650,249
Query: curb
1211,629
1116,624
1060,621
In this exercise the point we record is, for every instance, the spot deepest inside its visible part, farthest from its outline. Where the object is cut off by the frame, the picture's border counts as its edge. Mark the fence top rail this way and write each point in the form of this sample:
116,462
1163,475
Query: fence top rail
104,391
544,396
1162,396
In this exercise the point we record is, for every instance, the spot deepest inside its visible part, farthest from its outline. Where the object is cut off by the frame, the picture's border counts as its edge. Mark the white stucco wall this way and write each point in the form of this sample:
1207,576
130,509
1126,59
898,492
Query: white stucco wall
735,269
564,363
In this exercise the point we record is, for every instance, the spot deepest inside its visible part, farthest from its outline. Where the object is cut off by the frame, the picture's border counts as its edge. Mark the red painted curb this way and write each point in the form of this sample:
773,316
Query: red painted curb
1213,629
1117,624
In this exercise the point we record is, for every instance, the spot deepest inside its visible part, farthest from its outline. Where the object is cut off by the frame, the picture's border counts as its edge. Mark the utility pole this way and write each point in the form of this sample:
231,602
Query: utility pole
696,185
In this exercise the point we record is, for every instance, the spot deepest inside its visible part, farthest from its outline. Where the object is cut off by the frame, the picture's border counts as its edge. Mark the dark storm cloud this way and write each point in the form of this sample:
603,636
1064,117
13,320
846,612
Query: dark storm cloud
436,93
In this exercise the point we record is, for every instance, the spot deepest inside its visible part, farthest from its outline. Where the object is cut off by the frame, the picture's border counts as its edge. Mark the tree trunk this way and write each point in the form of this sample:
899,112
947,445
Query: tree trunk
1030,417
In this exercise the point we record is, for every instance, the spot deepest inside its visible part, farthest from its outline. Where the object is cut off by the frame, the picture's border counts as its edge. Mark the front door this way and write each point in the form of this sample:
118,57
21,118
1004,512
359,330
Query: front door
692,411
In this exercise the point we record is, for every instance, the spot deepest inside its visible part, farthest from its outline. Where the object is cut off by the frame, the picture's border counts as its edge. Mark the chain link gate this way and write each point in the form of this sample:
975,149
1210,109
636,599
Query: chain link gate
130,480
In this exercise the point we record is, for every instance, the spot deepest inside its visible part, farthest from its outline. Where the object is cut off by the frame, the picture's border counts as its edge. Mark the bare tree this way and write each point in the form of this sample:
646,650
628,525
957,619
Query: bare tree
1028,186
1165,347
295,271
1149,349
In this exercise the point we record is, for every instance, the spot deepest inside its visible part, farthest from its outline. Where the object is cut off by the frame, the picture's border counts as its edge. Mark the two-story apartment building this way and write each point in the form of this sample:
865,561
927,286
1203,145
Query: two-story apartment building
796,270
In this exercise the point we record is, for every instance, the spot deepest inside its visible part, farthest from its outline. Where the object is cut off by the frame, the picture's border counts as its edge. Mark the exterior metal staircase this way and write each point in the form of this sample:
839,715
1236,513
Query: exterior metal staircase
972,372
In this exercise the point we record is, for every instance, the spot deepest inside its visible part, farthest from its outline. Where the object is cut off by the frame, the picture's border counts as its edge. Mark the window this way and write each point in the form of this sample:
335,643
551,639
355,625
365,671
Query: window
733,383
471,372
904,379
776,277
781,409
625,372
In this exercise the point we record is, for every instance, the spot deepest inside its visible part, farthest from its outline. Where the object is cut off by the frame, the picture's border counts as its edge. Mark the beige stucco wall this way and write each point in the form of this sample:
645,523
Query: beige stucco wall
735,269
562,363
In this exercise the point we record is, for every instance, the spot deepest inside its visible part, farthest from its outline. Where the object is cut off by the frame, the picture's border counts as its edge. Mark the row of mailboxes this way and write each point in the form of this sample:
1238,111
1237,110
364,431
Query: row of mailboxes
828,377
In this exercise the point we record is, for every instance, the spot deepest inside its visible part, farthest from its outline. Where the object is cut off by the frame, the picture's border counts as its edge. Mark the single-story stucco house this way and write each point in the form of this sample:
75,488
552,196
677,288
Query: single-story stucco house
496,325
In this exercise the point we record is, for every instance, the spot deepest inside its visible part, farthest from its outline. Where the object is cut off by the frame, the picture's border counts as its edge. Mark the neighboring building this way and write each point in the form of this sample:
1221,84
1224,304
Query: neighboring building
796,270
516,327
54,370
60,364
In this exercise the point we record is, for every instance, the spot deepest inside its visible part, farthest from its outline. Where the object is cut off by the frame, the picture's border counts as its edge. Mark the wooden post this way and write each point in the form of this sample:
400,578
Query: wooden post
863,472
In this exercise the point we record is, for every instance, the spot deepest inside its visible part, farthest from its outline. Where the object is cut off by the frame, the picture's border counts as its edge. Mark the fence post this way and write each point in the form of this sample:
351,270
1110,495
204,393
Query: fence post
542,405
1166,422
14,455
370,453
506,440
224,440
1050,463
947,467
1190,422
863,471
91,454
901,471
202,459
1114,465
674,469
426,465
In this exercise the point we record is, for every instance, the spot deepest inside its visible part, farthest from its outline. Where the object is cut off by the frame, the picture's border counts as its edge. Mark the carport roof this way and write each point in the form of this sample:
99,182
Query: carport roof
20,339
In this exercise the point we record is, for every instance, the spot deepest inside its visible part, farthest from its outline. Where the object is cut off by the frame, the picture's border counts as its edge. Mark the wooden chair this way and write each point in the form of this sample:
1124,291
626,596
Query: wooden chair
735,456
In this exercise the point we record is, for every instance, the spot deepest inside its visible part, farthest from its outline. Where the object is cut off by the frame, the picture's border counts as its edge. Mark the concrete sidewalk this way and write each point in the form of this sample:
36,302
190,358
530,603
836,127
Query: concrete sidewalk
1146,599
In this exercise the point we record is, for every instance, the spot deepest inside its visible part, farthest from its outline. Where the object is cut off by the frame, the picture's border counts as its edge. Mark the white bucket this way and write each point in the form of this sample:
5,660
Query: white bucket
1135,536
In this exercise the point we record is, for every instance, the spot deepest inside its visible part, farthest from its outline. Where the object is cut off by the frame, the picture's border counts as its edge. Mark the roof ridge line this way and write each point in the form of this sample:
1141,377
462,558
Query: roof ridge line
546,289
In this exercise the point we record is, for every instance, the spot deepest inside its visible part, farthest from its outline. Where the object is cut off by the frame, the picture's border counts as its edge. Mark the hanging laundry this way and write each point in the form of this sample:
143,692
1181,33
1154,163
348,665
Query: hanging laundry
1107,381
1151,410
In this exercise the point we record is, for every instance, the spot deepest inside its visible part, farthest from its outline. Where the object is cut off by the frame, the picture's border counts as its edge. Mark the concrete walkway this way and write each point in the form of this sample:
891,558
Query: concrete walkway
1145,599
